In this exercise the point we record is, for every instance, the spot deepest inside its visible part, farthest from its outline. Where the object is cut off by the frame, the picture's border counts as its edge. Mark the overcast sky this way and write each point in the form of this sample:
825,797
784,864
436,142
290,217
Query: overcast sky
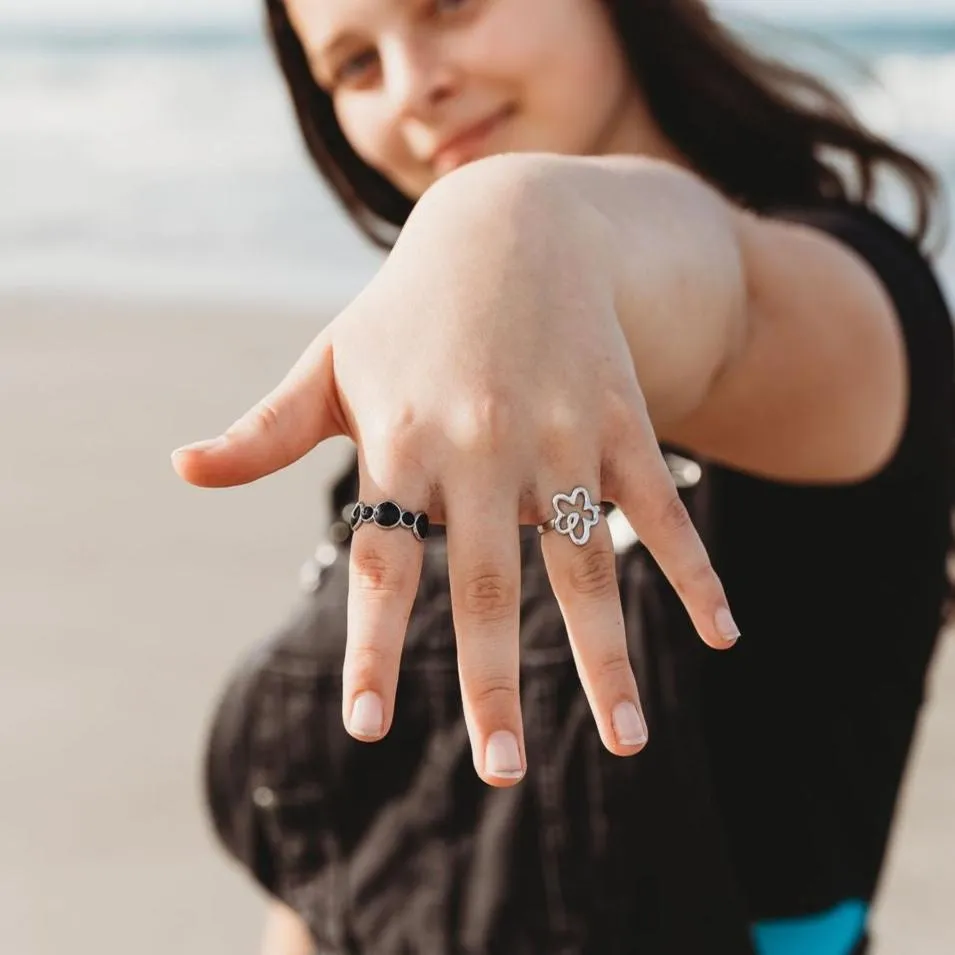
247,11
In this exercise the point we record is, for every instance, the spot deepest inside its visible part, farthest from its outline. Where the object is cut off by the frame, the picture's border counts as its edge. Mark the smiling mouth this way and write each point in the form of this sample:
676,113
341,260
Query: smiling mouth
467,146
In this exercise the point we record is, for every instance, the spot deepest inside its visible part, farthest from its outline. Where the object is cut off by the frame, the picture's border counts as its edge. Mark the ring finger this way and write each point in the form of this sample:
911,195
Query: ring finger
579,556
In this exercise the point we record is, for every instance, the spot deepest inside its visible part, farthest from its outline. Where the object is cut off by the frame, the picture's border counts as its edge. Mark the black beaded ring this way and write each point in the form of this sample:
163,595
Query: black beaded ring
389,516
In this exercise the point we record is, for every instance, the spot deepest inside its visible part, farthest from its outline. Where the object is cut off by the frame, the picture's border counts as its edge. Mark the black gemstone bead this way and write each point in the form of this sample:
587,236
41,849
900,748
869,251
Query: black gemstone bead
355,519
387,514
421,526
367,512
407,519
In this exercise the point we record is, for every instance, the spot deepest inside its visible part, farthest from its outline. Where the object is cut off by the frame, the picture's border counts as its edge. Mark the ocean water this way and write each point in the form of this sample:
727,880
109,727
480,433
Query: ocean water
165,161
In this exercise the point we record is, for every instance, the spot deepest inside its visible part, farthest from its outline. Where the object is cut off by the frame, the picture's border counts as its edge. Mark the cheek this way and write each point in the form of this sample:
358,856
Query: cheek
365,132
590,87
378,143
576,80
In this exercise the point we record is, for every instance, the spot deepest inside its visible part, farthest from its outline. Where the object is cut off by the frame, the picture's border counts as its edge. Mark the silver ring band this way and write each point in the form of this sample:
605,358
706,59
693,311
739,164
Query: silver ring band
574,516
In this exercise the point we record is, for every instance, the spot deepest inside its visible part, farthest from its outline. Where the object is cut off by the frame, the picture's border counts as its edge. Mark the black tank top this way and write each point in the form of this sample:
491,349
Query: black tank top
769,785
840,593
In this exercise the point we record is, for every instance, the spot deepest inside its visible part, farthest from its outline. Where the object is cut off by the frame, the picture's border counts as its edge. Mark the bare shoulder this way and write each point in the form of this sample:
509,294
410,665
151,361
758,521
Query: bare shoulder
817,390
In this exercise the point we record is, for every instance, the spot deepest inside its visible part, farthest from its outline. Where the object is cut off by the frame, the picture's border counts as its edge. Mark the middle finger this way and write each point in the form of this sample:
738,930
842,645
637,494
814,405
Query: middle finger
484,567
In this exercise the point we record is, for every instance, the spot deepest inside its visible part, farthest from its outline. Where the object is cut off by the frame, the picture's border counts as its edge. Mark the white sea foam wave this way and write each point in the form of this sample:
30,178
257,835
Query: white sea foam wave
141,168
913,96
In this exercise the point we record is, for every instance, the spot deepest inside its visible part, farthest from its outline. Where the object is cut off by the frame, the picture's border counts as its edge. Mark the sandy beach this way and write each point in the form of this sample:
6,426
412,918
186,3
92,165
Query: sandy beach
126,596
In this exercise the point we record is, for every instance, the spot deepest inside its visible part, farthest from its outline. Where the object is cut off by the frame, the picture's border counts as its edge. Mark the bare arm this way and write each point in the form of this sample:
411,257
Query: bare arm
541,323
765,345
285,933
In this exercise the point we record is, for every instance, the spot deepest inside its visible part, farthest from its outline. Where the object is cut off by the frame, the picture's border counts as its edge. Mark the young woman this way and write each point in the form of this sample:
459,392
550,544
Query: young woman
622,235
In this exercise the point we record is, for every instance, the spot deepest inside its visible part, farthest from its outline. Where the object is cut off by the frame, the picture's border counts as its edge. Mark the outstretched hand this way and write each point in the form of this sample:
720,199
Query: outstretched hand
478,382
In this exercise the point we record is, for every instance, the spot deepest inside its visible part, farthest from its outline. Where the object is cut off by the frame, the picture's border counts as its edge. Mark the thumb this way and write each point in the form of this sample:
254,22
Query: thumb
285,425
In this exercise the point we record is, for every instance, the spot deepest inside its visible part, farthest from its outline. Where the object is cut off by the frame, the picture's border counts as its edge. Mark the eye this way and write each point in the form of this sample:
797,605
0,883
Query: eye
452,6
354,67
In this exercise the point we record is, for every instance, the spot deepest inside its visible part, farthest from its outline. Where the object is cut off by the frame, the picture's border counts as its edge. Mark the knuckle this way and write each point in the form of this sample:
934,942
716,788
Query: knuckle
490,597
593,573
674,517
613,664
482,424
693,577
266,422
563,436
264,417
406,438
561,426
366,660
620,412
491,693
374,575
395,454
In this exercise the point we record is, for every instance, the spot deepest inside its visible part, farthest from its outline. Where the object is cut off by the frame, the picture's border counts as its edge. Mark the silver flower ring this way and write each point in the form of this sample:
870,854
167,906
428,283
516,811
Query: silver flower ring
575,515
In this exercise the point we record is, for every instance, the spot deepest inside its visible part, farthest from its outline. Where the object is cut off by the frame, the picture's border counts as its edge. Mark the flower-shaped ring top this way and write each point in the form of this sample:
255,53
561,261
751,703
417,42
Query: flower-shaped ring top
575,516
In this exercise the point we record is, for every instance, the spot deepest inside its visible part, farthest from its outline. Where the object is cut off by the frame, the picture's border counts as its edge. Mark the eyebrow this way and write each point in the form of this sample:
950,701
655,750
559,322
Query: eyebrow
320,52
325,50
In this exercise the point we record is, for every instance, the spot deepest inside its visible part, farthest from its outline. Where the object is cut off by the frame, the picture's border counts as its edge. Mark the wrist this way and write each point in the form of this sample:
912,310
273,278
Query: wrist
680,287
670,246
510,220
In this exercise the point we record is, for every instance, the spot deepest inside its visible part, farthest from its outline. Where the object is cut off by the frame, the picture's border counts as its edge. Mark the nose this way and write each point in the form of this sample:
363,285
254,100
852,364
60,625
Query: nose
419,77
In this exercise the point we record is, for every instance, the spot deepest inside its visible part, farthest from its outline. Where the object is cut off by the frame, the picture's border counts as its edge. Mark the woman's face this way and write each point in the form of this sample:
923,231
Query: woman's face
423,86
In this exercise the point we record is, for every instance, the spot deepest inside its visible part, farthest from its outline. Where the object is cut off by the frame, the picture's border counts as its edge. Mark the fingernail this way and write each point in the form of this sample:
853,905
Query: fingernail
628,725
726,625
206,445
502,757
367,715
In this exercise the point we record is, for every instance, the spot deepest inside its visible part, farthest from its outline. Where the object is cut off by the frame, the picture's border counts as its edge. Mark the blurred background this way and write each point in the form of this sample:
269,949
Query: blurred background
165,253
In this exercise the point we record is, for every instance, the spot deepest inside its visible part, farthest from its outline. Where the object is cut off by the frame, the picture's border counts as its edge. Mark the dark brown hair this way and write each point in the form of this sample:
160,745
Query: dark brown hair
753,127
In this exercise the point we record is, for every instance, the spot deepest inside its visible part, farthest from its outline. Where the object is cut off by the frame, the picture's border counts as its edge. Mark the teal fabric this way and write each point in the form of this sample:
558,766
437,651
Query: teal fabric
835,932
